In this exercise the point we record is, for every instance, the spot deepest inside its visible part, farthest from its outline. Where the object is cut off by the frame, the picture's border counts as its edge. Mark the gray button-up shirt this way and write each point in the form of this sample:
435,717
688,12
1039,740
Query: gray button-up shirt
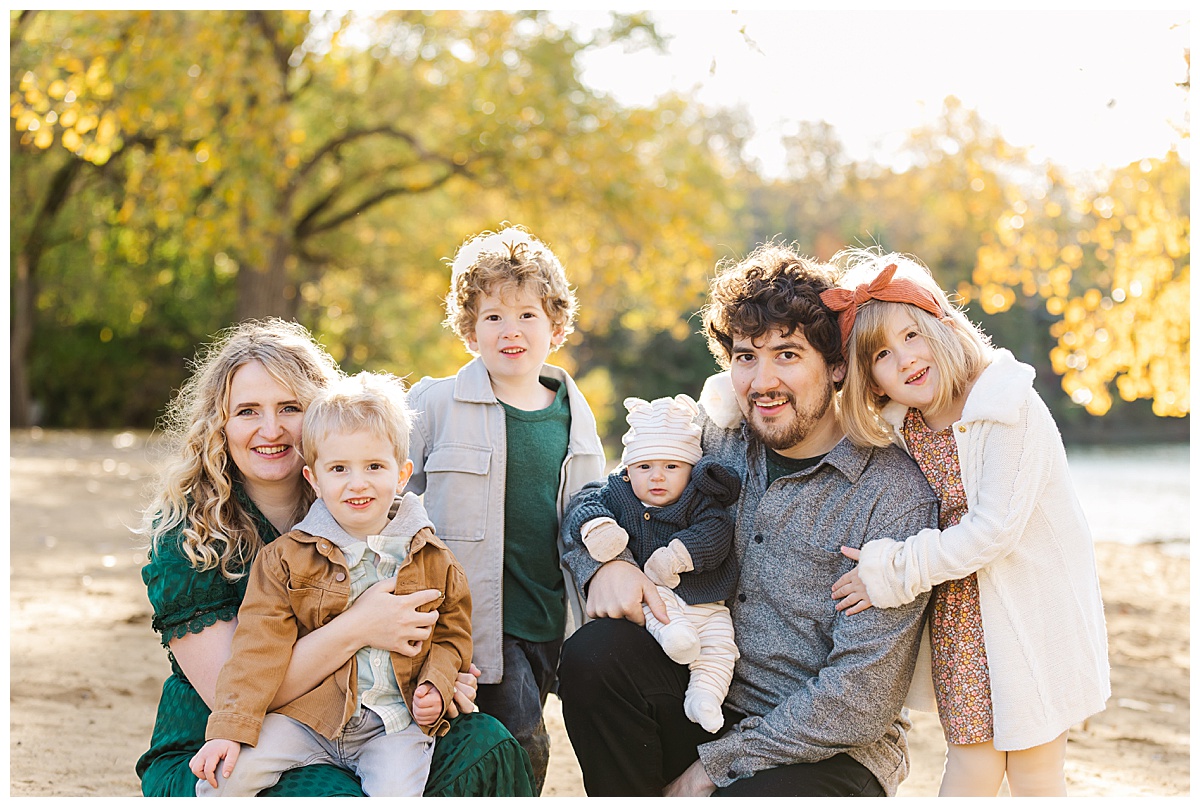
813,681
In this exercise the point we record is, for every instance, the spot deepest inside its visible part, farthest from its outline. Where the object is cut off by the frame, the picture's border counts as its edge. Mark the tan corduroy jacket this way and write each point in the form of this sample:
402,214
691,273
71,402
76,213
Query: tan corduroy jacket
299,582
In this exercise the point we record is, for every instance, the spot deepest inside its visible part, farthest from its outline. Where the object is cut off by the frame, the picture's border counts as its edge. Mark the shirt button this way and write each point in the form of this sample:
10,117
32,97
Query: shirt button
741,598
758,539
339,577
962,428
646,516
375,661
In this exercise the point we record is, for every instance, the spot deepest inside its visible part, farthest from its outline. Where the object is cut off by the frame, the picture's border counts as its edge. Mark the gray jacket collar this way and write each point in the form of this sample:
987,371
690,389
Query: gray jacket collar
409,519
472,384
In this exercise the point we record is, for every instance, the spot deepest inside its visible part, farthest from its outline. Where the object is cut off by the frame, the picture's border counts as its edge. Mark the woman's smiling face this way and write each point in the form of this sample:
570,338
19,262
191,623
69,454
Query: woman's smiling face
262,431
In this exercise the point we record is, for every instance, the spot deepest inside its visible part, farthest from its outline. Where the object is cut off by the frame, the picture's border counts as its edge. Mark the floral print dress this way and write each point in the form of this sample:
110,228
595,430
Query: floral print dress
960,669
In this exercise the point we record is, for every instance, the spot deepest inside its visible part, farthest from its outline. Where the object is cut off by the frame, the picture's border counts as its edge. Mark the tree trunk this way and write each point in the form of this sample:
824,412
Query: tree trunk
20,400
270,291
25,293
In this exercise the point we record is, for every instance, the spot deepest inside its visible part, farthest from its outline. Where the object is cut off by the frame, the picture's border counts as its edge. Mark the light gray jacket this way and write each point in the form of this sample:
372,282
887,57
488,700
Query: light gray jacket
813,681
460,458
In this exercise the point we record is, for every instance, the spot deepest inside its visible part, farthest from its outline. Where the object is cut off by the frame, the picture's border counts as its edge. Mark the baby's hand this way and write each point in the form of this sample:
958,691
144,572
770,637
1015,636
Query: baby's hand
427,704
604,539
850,588
666,563
204,763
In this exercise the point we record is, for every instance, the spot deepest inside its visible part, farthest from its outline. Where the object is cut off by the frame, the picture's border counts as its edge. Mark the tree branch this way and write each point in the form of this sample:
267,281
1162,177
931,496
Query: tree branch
23,19
282,55
366,204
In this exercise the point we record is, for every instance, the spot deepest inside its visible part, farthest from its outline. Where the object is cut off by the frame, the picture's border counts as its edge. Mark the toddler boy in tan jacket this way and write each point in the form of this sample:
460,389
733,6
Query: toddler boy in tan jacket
378,715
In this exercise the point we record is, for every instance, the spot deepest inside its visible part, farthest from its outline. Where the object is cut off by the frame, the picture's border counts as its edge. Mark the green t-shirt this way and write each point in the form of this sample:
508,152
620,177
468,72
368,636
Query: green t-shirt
534,591
779,465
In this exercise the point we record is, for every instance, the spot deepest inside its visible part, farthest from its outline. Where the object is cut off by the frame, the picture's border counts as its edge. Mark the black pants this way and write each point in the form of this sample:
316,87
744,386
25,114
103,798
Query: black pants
623,706
517,701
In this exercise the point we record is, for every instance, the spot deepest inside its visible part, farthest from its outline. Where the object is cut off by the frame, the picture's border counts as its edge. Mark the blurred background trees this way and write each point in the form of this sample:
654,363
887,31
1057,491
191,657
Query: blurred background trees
174,172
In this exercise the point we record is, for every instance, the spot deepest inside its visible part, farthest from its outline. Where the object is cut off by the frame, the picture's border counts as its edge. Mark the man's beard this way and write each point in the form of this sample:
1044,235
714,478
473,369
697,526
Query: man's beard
782,438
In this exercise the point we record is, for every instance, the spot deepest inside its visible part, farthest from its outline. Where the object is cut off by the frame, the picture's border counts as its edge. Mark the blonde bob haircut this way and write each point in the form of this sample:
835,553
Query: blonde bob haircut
197,484
367,402
510,261
959,349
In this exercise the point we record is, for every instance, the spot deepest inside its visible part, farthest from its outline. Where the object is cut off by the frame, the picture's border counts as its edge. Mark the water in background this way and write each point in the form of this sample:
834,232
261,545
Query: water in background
1135,494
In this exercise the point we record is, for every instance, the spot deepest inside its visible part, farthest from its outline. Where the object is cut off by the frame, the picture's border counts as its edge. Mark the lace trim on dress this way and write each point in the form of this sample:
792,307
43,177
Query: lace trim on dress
183,624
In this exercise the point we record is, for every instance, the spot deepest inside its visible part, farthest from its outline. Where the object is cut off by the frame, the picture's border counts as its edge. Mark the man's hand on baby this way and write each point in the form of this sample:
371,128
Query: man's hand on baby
667,562
850,588
617,591
427,704
604,539
204,763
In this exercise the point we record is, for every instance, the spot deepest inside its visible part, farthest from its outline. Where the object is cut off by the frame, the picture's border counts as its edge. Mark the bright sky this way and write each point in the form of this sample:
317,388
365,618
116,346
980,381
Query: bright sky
1083,89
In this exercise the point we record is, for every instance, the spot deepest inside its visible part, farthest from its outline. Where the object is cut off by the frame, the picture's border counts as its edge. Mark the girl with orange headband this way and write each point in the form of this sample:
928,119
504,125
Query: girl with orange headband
1016,638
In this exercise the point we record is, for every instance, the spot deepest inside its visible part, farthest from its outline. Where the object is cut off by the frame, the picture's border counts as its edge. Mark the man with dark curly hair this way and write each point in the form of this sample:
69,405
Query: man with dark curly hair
815,707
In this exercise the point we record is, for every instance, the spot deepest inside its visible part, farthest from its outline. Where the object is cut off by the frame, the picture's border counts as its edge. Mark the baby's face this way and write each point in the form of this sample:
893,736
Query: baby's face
659,482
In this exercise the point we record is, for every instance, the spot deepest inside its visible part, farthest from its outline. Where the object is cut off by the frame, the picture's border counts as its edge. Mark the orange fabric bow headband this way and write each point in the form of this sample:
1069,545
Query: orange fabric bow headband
847,301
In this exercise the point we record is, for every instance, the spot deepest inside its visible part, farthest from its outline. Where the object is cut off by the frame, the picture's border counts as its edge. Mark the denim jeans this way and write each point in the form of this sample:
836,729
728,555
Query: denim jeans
388,764
530,670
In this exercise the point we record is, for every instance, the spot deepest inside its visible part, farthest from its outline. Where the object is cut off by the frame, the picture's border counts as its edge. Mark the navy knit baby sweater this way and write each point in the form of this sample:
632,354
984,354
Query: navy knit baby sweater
699,519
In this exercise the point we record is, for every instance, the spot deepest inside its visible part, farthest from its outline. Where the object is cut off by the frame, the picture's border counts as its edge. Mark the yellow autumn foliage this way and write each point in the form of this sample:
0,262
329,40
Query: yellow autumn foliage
1120,283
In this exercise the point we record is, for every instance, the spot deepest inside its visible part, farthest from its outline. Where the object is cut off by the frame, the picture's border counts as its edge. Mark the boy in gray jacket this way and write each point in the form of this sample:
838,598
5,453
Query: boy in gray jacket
498,449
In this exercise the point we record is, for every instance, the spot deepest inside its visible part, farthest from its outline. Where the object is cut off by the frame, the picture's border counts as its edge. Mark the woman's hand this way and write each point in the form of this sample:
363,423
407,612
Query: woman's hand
850,588
694,781
465,689
384,620
378,618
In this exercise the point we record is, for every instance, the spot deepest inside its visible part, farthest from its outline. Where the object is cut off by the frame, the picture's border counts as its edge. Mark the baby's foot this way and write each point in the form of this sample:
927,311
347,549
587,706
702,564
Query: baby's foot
704,709
680,642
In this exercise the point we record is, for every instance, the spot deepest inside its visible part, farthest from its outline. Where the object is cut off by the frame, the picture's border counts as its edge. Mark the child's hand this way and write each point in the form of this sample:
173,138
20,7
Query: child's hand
850,588
427,704
204,763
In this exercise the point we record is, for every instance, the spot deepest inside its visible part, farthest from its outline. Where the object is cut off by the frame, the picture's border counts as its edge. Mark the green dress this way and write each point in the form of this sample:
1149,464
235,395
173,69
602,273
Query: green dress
477,757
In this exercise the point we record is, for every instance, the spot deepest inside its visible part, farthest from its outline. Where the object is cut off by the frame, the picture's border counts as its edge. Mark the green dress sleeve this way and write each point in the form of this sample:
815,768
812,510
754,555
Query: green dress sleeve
186,600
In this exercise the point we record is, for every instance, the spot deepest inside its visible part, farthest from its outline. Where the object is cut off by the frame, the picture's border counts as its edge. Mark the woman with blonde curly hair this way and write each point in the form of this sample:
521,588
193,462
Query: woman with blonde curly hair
232,484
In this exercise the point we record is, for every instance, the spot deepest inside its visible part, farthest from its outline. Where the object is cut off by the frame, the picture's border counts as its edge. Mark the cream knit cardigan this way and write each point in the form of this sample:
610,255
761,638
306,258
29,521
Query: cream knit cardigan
1025,535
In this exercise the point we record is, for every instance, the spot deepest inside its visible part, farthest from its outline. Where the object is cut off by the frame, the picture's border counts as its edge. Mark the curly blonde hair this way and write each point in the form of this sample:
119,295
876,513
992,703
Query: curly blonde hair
498,263
958,348
196,486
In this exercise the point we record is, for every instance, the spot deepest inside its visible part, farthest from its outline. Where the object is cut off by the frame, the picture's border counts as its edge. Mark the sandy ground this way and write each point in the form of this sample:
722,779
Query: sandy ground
86,669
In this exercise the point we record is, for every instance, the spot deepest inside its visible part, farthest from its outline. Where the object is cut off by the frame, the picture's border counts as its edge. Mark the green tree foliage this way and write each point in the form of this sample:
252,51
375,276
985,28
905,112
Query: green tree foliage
262,163
173,172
